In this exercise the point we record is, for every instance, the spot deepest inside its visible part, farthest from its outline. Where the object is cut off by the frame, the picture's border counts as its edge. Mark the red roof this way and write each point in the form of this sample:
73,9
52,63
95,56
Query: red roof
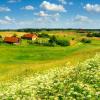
11,39
29,36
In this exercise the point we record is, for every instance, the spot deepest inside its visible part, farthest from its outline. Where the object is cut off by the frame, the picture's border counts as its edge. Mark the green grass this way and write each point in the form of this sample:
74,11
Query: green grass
23,54
79,82
26,59
20,60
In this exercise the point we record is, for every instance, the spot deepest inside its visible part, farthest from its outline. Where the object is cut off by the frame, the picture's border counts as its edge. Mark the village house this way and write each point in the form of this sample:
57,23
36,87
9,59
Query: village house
30,36
12,40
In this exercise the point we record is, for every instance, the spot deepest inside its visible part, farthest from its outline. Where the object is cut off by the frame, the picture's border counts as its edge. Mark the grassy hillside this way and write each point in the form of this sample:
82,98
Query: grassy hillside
20,59
67,82
25,59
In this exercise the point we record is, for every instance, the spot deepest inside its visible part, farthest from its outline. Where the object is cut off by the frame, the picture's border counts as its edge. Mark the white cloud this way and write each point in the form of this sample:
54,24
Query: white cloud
4,9
47,18
80,18
7,20
52,7
42,14
28,7
63,1
3,22
92,8
66,2
13,1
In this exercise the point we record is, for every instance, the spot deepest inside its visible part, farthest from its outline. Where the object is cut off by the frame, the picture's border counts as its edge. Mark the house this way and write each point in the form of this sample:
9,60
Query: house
12,40
30,36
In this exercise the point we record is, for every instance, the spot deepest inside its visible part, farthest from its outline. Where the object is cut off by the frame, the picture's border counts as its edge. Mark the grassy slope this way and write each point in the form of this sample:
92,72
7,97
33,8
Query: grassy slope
80,82
17,60
20,60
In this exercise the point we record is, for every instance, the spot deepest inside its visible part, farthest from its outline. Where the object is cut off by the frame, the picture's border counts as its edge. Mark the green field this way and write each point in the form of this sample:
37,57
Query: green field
20,60
24,68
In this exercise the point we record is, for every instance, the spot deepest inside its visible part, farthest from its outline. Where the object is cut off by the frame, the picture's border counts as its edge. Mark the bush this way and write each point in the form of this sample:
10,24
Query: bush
73,38
30,42
89,35
14,35
0,36
85,40
93,35
54,41
96,34
63,42
43,35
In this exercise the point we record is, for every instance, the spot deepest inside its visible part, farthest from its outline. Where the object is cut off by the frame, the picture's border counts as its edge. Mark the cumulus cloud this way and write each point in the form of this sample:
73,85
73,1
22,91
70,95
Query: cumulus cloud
7,20
4,9
28,7
44,17
42,14
80,18
52,7
13,1
92,8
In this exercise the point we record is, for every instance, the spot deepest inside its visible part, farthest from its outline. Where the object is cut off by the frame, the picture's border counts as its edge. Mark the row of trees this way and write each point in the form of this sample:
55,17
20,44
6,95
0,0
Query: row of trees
93,35
53,41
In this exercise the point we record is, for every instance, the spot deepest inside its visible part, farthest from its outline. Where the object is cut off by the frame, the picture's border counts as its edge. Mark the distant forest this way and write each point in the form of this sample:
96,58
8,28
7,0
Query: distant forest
38,30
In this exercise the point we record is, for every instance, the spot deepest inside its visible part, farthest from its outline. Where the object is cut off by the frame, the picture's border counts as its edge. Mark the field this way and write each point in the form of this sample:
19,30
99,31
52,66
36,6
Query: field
22,61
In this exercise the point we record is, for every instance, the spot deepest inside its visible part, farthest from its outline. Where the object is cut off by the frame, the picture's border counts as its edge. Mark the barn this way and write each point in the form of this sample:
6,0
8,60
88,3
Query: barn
12,40
30,36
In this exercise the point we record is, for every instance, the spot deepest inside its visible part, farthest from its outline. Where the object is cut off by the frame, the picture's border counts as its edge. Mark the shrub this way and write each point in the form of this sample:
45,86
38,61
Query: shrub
14,35
73,38
0,36
52,39
96,34
63,42
30,42
93,35
43,35
85,40
89,35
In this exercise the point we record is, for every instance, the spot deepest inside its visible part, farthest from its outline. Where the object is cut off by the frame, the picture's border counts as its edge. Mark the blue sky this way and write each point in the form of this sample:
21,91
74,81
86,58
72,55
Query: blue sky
49,14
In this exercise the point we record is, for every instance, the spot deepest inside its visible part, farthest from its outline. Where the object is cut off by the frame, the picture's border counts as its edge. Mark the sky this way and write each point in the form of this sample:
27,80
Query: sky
16,14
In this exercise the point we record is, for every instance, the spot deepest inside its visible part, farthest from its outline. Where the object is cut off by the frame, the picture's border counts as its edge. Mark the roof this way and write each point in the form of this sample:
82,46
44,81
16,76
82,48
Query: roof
11,39
30,35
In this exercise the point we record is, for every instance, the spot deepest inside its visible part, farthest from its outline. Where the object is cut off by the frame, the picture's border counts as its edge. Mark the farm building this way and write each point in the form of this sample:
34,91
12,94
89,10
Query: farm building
12,40
30,36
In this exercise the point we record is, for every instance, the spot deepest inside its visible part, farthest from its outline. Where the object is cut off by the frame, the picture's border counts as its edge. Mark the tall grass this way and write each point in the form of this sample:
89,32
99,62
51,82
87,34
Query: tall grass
81,82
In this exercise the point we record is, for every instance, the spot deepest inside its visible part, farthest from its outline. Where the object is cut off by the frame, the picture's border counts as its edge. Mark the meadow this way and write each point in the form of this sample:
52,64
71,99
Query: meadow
20,63
80,82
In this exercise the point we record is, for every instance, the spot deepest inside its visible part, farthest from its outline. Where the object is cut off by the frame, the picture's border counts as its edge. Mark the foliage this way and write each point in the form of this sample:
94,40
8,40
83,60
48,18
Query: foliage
85,40
14,35
43,35
93,34
89,35
96,34
53,40
63,42
0,36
